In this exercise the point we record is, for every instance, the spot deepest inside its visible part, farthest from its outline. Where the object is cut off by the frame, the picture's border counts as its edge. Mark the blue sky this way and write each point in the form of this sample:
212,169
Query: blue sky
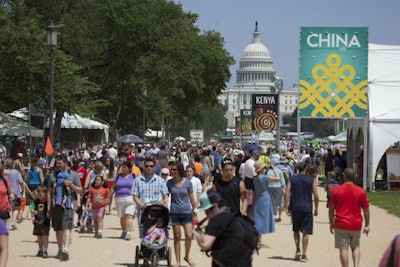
279,23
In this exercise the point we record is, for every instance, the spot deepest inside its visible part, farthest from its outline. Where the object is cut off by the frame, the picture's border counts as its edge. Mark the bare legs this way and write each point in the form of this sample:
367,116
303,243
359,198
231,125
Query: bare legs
188,228
304,241
344,257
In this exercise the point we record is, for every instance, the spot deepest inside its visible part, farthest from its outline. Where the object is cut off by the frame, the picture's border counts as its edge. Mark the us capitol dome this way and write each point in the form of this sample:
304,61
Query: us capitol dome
255,75
255,65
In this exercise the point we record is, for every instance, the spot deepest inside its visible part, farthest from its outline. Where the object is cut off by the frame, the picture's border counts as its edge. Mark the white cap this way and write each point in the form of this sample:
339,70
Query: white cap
164,171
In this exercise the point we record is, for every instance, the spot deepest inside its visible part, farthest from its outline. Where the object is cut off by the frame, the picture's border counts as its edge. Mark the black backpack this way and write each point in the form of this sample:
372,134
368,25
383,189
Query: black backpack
239,242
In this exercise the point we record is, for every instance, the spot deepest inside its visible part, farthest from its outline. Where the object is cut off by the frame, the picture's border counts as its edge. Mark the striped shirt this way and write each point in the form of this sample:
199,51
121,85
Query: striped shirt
151,190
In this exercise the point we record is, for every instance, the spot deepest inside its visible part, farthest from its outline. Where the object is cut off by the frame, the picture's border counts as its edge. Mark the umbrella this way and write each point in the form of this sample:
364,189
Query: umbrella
129,138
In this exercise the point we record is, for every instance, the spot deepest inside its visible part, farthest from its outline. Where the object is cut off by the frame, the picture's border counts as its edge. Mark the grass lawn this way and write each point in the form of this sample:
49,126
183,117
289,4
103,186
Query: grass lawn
389,201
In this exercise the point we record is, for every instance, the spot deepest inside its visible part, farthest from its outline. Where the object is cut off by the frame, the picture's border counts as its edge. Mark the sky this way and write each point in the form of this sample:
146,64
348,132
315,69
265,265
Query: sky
279,24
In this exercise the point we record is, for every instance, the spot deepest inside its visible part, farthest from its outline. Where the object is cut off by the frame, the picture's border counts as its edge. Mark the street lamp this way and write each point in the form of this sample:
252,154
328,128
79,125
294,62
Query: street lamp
51,41
277,90
144,93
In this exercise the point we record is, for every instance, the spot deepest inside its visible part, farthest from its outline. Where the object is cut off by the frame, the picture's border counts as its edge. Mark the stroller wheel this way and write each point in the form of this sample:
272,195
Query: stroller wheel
169,257
137,256
154,260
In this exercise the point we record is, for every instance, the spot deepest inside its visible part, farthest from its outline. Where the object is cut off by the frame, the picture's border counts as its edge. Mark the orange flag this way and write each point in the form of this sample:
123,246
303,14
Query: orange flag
49,147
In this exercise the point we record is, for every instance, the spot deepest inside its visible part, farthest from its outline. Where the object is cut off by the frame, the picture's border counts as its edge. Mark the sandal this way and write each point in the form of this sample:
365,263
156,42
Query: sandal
190,262
19,220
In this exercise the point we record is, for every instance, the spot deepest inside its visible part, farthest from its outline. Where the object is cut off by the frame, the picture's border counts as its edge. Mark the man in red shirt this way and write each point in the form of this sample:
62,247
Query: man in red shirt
345,218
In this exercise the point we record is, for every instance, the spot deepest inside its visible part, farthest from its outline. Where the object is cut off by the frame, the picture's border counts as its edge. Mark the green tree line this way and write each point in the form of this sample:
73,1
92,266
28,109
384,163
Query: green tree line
114,61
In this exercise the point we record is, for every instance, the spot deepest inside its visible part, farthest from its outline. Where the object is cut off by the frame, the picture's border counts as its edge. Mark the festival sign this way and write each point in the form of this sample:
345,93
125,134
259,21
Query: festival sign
333,72
245,118
265,112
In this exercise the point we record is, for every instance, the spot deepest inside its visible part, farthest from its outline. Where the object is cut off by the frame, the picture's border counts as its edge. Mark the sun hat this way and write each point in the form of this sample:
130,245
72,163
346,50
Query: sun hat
205,203
259,165
283,160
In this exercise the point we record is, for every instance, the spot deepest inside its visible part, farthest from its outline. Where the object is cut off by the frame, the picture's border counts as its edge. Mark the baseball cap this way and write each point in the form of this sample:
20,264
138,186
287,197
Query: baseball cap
164,171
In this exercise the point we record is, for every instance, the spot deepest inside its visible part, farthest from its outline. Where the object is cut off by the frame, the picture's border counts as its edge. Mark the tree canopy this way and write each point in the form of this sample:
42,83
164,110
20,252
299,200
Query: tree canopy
114,61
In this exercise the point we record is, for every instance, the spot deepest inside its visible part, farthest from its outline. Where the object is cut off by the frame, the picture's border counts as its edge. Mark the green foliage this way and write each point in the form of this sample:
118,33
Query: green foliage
108,54
386,200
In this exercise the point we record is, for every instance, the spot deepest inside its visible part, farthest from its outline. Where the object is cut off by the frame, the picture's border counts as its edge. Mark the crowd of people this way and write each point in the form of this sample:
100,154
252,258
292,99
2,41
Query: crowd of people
259,183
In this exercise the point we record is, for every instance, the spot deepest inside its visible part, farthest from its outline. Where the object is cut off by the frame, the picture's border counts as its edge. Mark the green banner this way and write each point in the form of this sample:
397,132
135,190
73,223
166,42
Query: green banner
333,72
245,118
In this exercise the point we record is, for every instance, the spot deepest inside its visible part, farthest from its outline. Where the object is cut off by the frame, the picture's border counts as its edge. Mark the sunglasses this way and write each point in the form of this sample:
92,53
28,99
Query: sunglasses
149,166
173,169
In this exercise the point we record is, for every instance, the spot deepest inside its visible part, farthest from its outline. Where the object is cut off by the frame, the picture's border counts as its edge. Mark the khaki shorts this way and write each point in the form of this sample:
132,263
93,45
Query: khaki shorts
125,205
345,239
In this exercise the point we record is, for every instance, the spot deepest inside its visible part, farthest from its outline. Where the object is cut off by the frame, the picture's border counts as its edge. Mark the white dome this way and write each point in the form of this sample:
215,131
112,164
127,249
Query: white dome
257,50
255,66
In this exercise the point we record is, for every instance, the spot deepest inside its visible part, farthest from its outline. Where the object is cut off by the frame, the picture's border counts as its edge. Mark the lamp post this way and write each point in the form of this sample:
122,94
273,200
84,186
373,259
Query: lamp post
144,93
278,88
51,41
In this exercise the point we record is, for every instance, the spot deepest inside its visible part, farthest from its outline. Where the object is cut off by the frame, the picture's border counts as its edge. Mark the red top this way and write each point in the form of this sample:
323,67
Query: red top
82,173
98,197
348,199
4,202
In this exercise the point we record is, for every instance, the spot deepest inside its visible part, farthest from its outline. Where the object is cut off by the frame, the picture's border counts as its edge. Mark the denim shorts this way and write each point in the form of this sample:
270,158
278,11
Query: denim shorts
181,219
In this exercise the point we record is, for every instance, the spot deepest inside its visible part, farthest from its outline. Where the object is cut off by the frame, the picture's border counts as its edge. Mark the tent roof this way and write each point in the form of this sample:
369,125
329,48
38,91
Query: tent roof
14,127
338,138
68,120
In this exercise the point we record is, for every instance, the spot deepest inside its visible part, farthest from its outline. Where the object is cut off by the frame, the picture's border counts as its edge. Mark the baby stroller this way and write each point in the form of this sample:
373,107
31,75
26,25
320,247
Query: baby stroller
153,252
86,220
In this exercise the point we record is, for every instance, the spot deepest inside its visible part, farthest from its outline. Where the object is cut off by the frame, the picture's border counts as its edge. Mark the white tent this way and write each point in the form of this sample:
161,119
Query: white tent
338,138
384,101
70,121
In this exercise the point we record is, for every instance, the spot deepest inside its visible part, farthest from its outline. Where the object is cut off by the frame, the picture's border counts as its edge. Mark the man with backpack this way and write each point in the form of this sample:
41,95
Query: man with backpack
231,237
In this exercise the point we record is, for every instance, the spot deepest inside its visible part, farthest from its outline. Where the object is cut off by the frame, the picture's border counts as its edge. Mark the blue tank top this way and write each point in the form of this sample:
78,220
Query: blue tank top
301,193
34,177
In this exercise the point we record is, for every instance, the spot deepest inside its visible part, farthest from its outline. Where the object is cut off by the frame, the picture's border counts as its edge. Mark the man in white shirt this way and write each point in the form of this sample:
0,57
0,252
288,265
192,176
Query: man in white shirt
248,173
112,152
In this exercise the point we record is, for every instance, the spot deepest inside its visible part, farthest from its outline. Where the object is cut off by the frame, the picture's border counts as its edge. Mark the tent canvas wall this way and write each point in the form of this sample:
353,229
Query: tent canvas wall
384,102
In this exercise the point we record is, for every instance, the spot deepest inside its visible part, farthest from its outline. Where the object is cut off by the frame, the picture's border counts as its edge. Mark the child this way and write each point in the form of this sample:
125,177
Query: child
87,218
61,192
156,233
330,184
98,197
41,221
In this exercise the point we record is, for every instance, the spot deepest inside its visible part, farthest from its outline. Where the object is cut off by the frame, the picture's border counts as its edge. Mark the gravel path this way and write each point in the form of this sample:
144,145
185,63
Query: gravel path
112,251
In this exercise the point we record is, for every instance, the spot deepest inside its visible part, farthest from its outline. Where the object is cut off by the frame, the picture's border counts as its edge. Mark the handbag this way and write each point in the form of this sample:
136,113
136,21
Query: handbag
250,197
4,214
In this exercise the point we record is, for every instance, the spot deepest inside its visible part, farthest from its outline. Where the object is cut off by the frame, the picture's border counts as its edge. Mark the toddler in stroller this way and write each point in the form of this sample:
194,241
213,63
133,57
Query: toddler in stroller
156,234
85,215
153,222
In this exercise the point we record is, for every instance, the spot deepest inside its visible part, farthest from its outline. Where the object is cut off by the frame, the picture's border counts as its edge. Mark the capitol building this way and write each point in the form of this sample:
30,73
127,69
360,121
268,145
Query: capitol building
256,75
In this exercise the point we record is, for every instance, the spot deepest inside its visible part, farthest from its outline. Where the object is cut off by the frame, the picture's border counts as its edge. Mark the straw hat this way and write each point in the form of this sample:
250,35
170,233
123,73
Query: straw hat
259,165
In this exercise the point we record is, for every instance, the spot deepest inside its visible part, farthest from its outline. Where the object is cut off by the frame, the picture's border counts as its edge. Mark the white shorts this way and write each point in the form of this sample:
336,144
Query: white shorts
125,205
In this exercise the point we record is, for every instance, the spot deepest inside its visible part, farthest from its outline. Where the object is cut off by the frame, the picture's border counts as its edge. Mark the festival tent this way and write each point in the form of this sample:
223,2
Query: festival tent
75,127
384,101
342,137
13,127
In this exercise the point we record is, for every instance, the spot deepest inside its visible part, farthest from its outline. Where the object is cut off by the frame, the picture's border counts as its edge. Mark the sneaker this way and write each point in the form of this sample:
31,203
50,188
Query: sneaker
99,234
304,258
13,226
298,255
128,236
123,235
45,255
64,255
39,254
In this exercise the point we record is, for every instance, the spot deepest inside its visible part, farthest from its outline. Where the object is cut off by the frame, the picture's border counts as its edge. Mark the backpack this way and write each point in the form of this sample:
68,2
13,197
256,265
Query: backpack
240,240
285,172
